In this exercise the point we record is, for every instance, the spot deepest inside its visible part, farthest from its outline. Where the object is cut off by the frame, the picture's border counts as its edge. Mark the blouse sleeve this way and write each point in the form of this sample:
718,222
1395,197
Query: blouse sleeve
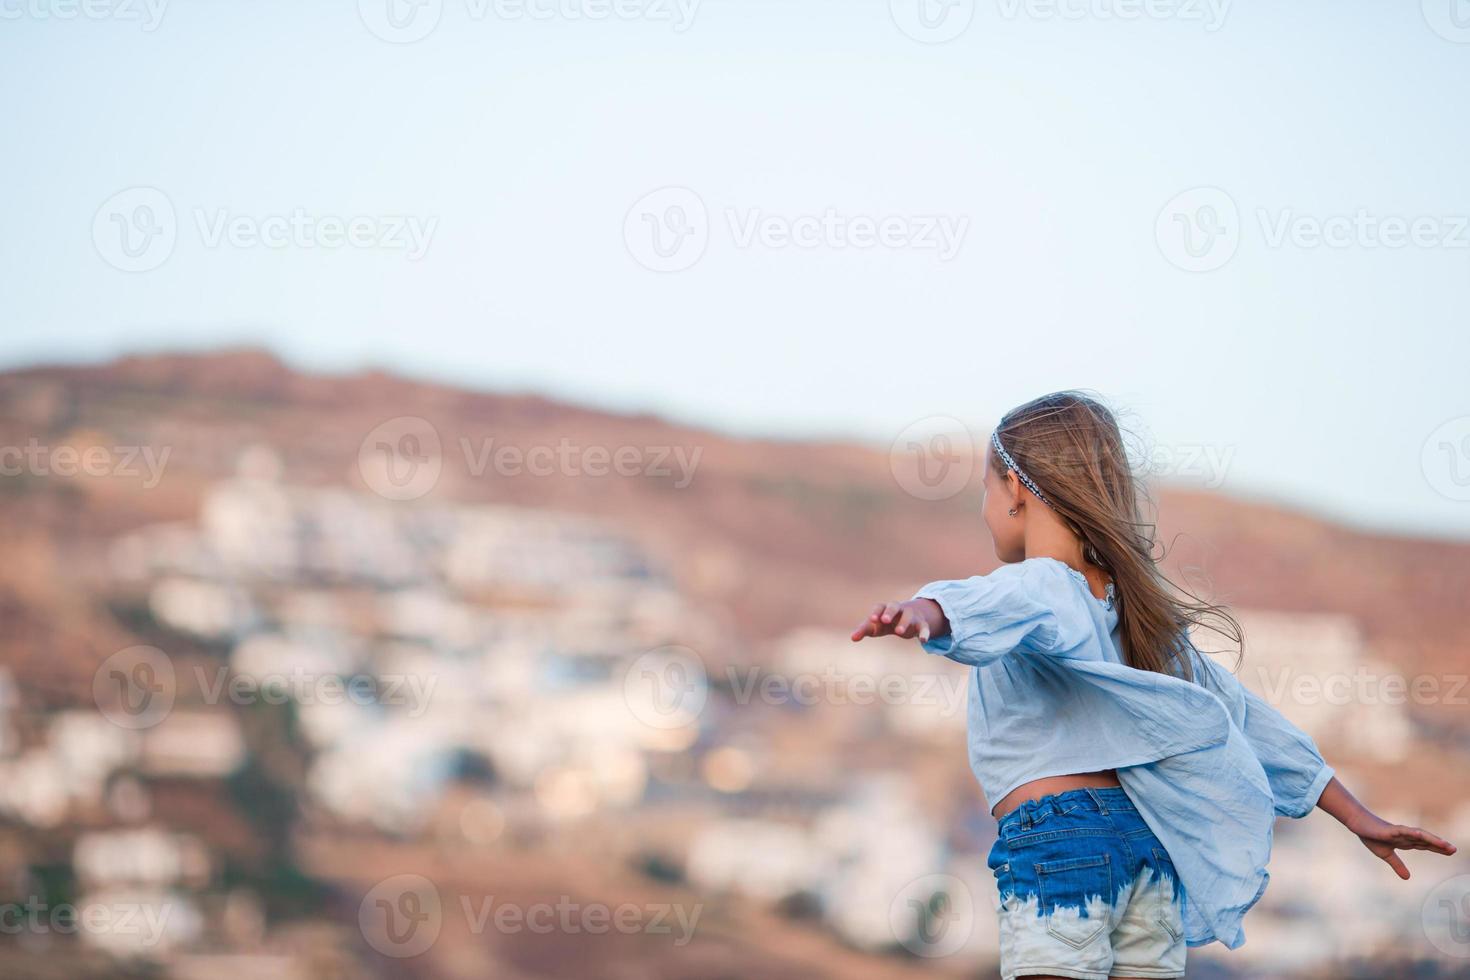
1294,767
1025,607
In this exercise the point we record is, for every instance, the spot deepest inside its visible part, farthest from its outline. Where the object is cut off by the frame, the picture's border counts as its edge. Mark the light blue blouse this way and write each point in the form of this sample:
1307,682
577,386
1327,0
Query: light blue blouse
1207,763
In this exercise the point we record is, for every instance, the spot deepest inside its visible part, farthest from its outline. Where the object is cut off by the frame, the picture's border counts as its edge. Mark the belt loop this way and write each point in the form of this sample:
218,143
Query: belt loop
1097,798
1025,817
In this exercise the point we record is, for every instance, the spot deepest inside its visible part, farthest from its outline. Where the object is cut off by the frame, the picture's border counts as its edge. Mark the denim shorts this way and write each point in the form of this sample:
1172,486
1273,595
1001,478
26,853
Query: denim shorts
1086,890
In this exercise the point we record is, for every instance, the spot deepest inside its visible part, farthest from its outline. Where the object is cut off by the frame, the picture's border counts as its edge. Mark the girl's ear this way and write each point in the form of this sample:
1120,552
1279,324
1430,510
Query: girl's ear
1013,489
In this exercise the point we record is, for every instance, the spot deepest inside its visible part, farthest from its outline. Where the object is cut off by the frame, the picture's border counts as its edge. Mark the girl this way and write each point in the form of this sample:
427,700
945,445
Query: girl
1135,781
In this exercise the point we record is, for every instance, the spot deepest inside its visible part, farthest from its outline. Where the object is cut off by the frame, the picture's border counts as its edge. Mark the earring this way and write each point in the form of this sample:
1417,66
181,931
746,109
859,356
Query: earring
1012,512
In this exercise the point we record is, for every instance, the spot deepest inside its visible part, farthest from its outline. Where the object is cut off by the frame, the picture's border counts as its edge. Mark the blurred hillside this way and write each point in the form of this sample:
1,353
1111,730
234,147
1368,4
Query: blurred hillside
246,517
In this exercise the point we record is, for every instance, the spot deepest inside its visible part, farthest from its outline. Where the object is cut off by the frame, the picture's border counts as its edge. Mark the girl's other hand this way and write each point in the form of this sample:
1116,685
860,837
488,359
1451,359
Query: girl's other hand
1386,839
920,618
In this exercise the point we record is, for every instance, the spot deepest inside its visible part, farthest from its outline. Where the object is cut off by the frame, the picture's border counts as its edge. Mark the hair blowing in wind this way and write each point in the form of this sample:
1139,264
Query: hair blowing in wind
1071,447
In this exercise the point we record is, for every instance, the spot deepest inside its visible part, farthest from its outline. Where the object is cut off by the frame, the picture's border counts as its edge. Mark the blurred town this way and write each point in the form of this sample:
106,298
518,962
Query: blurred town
263,719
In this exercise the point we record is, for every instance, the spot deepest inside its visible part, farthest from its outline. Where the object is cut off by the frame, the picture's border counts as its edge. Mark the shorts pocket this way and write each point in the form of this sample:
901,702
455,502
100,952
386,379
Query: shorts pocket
1171,916
1076,896
1000,866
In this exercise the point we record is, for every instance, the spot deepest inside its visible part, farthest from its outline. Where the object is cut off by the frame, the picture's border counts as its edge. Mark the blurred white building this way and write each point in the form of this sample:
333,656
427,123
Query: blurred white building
1317,670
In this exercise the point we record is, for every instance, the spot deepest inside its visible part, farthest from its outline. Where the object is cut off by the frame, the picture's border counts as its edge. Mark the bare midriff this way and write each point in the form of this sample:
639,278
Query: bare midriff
1048,785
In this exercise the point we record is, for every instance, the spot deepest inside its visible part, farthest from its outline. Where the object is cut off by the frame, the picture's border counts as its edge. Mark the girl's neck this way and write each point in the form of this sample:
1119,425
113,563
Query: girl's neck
1053,540
1050,539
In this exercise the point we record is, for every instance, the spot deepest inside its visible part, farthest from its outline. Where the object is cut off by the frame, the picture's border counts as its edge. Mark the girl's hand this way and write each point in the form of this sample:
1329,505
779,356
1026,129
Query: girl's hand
1386,839
920,618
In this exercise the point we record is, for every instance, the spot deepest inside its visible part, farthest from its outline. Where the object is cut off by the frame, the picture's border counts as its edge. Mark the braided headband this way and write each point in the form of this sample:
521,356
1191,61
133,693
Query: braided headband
1026,481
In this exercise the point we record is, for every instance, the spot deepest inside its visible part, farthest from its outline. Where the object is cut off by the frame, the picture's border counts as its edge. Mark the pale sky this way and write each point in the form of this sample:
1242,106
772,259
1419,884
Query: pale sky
982,220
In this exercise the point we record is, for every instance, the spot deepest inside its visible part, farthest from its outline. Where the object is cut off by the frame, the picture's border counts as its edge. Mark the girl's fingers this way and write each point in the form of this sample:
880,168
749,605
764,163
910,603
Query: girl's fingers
892,618
876,624
1397,863
905,625
1423,840
1407,838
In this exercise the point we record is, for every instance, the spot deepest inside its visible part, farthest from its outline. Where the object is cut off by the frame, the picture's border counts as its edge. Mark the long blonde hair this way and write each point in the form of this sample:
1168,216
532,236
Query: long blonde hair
1070,446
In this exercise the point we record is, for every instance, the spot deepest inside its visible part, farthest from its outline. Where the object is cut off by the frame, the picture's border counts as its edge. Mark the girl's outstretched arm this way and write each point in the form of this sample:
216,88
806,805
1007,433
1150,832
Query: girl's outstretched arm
1384,839
1030,607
